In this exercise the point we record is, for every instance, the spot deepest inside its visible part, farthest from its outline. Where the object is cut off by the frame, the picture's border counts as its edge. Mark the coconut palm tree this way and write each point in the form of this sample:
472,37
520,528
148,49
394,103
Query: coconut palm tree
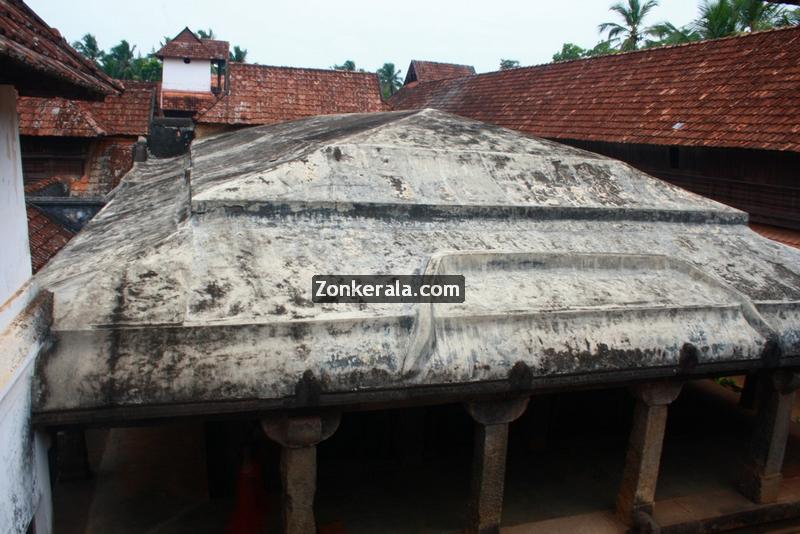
238,54
632,29
789,17
718,18
118,62
754,15
669,34
88,47
389,79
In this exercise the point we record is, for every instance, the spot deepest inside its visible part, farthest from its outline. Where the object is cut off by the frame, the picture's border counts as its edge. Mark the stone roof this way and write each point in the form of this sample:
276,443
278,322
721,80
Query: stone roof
190,292
187,45
127,113
739,92
262,94
37,60
429,71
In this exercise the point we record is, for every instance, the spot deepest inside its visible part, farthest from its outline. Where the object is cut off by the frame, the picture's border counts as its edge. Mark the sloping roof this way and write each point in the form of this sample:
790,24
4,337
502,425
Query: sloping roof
46,237
188,45
186,101
735,92
125,114
429,71
190,292
38,61
263,94
776,233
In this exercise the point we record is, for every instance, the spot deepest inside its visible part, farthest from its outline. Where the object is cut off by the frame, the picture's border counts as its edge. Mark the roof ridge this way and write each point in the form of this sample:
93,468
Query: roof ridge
605,56
312,69
743,35
441,62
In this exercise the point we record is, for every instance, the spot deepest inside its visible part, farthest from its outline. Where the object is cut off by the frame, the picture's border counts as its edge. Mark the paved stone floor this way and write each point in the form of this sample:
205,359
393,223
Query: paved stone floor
408,471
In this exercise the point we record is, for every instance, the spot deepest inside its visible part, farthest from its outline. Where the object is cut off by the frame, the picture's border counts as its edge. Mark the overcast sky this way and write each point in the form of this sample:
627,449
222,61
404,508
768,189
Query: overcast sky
321,33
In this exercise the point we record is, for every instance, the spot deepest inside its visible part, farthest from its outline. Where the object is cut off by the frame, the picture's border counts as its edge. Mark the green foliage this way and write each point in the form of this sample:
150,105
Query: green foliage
667,33
569,51
146,69
506,64
717,18
238,54
124,63
632,31
754,15
721,18
789,17
389,79
118,62
347,65
728,383
89,48
603,48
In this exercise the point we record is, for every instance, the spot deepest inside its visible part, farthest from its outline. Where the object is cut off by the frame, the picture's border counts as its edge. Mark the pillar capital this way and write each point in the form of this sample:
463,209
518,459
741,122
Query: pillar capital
656,393
295,432
498,411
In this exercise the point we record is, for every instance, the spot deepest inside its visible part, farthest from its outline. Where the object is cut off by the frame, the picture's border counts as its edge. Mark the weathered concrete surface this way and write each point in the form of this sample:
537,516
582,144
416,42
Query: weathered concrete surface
193,285
24,470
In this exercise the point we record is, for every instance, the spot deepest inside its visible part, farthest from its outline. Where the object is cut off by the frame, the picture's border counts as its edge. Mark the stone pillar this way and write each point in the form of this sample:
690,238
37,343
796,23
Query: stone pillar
140,150
762,477
298,437
489,460
636,496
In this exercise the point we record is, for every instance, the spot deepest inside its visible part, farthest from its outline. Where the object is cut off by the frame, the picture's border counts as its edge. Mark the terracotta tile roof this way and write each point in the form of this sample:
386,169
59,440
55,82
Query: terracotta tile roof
31,188
187,45
37,60
124,114
46,237
735,92
430,71
186,101
782,235
262,94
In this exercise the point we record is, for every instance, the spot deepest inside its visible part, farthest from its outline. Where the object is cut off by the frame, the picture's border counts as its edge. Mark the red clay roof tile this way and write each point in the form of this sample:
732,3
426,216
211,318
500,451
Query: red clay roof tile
187,45
740,91
429,71
782,235
46,237
263,94
125,114
37,60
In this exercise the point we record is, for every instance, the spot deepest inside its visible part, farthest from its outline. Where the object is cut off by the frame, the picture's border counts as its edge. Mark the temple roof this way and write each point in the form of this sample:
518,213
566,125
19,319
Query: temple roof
189,293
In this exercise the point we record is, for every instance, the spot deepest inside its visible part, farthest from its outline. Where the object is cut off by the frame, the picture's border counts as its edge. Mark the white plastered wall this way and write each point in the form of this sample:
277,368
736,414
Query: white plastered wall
194,76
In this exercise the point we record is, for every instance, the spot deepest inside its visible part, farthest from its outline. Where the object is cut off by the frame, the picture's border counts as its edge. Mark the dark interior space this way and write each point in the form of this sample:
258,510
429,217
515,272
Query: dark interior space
403,470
